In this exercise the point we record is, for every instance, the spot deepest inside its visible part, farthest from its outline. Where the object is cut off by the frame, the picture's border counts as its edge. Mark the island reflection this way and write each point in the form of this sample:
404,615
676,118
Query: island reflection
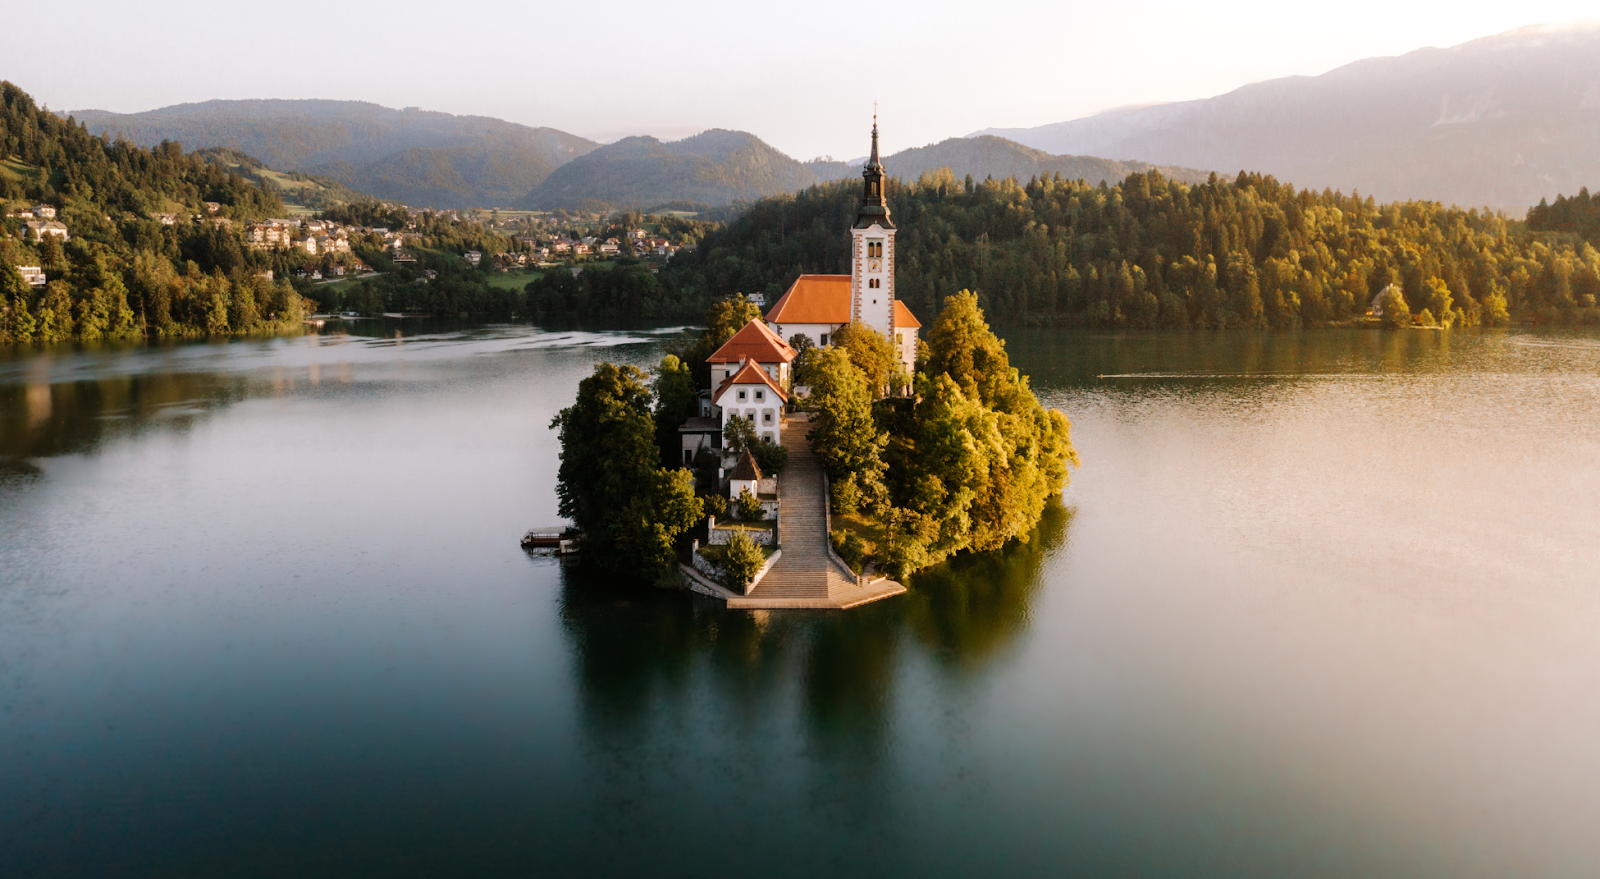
643,657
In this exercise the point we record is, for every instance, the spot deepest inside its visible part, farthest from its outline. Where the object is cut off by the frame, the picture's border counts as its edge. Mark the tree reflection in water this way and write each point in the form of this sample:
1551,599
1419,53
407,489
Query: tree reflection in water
645,661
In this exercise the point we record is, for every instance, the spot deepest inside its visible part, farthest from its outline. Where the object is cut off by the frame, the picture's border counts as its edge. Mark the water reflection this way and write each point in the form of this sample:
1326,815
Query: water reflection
641,655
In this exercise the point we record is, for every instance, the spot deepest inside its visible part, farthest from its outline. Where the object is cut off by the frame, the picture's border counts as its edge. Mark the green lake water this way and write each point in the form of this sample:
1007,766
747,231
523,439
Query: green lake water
1317,605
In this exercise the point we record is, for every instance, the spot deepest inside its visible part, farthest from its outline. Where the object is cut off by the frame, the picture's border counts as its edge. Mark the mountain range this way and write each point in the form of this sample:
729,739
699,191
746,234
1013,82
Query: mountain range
720,167
418,157
1502,122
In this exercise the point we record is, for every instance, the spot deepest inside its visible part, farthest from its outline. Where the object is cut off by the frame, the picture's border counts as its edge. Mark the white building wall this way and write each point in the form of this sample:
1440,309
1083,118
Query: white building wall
765,410
816,332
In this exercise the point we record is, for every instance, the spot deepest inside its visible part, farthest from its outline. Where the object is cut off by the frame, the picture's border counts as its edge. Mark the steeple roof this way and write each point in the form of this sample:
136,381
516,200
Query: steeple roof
874,204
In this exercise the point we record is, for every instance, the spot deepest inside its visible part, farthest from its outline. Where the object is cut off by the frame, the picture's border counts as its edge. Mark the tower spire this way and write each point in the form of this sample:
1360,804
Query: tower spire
874,205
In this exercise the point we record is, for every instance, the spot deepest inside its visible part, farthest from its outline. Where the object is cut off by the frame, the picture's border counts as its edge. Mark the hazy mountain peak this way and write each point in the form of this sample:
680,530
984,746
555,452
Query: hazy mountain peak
1500,121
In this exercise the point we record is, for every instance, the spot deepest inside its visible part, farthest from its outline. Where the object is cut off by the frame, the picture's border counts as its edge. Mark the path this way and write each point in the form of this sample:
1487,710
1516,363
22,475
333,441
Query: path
805,575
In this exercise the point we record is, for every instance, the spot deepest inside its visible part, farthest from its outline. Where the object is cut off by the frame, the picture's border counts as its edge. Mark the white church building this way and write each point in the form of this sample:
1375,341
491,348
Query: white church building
818,305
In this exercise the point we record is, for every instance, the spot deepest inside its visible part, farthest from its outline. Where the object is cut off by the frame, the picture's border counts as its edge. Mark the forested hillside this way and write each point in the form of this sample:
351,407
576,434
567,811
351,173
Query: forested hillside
1247,252
122,272
294,188
714,167
418,157
1578,215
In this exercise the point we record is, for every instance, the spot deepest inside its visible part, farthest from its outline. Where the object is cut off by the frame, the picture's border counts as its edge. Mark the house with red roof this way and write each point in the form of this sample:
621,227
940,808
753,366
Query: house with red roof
753,394
754,343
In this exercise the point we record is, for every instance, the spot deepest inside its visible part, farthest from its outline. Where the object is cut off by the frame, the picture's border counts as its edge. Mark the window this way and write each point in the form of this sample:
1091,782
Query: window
873,283
760,396
766,416
741,396
874,249
824,339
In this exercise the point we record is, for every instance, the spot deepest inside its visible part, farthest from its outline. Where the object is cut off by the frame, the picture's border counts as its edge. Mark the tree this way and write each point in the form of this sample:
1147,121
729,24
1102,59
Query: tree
749,506
675,401
741,561
738,434
1440,303
871,353
770,456
844,435
630,510
978,458
1392,308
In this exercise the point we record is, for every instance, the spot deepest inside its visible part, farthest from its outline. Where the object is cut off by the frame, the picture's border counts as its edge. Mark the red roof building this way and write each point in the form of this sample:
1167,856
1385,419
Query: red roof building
754,343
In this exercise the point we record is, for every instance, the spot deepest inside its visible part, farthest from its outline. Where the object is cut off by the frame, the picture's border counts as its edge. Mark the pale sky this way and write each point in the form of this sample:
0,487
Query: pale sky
802,77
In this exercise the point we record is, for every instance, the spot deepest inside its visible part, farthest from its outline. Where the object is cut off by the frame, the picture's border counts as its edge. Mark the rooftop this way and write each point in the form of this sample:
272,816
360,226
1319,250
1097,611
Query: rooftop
750,374
814,299
746,468
754,342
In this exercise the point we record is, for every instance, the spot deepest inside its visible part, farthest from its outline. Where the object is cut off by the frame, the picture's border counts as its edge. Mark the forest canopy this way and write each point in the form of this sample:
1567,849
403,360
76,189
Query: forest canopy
1155,252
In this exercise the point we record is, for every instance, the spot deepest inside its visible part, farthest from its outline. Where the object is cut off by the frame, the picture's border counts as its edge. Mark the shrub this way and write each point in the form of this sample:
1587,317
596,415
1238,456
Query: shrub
749,506
770,456
741,560
716,505
850,548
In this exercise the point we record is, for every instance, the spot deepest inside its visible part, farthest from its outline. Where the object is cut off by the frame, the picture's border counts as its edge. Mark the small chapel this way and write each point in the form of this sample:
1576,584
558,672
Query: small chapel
751,373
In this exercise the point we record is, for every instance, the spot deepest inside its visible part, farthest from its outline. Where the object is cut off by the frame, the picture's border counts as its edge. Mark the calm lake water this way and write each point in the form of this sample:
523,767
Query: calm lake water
1315,605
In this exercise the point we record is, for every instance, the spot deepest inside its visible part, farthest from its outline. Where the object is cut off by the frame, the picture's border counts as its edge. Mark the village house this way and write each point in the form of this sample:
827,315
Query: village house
165,219
754,343
268,235
33,276
473,256
40,228
44,212
752,394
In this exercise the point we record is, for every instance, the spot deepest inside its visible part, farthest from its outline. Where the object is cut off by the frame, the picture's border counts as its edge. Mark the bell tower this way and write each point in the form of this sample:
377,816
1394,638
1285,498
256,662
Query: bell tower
872,250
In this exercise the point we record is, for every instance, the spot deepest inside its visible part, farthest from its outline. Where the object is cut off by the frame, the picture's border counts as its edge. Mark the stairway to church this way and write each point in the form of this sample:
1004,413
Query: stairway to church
804,571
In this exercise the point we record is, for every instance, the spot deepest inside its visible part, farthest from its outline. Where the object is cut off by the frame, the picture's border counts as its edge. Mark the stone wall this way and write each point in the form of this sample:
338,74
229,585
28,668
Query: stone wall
761,537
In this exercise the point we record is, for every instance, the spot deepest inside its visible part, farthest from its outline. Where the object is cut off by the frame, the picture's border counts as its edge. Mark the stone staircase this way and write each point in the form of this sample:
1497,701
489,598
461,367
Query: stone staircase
805,575
804,571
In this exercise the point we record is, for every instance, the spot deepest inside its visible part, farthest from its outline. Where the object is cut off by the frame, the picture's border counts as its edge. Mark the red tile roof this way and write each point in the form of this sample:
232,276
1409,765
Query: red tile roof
754,342
750,374
903,318
814,299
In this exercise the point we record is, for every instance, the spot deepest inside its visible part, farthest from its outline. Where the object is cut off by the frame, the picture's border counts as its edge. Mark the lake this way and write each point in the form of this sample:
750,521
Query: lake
1320,604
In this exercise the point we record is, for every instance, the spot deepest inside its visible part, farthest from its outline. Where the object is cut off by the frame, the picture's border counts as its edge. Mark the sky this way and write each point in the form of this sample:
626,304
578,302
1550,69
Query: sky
803,77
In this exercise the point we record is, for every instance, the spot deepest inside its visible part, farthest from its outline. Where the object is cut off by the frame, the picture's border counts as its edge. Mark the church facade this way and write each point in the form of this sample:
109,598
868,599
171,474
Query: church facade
817,305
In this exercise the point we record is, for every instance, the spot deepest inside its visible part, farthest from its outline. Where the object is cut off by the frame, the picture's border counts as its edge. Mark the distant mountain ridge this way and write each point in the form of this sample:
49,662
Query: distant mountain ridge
720,167
715,167
989,156
1501,121
420,157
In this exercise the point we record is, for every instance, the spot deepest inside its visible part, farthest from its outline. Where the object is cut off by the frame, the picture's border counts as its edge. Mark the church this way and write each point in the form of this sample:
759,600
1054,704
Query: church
751,373
817,305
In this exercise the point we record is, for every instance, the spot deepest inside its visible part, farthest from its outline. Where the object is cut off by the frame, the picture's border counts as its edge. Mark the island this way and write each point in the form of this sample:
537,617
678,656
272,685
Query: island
815,469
